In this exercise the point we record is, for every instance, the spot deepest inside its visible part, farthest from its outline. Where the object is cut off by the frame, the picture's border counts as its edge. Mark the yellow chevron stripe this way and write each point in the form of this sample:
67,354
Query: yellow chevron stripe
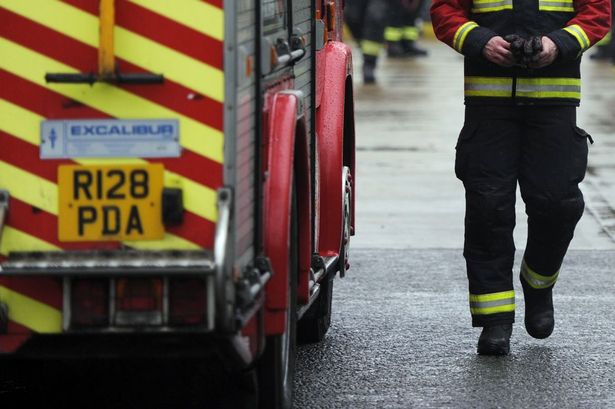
16,240
32,66
31,313
19,122
191,13
170,242
24,124
43,194
29,188
129,46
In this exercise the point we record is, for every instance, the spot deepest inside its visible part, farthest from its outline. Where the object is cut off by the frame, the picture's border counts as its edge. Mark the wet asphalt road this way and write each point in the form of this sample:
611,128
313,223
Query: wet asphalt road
401,338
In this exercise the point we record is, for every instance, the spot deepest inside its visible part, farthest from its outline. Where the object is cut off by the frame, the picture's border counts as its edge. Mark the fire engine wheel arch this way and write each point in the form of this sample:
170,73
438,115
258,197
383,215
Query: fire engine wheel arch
288,155
335,145
288,140
276,367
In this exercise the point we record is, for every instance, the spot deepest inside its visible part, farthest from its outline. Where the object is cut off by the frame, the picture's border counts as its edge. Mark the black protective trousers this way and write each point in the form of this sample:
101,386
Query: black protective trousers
541,149
366,20
403,19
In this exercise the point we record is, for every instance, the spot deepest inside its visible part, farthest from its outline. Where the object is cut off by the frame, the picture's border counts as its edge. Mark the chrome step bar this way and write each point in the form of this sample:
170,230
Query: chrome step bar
109,263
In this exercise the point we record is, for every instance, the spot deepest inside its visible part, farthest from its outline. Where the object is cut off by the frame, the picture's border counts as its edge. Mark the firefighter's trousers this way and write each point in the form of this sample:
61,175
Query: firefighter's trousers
541,149
366,20
402,22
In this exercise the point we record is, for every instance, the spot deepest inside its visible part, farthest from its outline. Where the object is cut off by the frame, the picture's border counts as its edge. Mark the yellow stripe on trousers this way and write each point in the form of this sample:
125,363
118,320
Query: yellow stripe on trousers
114,101
129,46
30,313
24,124
43,194
191,14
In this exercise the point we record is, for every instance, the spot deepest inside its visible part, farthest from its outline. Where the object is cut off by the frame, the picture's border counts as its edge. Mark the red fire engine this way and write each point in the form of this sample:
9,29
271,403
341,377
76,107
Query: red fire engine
174,173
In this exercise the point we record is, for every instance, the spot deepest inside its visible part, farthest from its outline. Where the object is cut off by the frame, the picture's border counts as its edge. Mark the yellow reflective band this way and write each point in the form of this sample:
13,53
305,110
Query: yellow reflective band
556,5
577,32
193,14
536,280
23,124
550,81
41,193
31,313
114,101
370,47
393,34
461,34
16,240
569,88
502,295
563,9
487,87
488,6
493,303
411,33
129,46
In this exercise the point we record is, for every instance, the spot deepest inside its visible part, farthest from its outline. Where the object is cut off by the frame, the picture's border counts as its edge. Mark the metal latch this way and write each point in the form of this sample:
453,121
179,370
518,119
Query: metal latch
4,209
107,67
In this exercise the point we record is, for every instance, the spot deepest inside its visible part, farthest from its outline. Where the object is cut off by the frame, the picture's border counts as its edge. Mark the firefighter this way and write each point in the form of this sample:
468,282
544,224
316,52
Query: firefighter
366,20
403,30
522,86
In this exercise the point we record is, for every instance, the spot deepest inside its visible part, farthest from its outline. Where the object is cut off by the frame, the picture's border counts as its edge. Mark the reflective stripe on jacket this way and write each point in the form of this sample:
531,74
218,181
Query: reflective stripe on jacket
573,25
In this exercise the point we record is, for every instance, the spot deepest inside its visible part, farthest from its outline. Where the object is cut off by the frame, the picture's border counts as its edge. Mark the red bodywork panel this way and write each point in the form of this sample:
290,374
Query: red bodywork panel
281,123
330,129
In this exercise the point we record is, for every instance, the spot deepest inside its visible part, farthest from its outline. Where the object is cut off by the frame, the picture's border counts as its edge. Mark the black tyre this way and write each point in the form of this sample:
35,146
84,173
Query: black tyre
276,368
314,325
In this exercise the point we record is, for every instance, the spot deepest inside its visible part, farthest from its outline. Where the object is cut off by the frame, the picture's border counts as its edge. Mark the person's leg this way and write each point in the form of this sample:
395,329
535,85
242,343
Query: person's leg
376,16
354,17
411,31
394,31
553,163
488,153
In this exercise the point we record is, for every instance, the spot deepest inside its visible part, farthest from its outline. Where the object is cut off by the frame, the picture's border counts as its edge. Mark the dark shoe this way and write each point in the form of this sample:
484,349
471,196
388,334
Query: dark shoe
412,50
539,321
395,49
495,340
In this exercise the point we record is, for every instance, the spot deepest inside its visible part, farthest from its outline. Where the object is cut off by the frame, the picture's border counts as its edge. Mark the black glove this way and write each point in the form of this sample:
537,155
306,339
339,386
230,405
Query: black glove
524,51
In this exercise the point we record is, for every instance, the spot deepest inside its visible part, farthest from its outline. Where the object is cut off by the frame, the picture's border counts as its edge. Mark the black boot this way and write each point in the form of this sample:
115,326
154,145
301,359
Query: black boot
413,50
495,340
539,321
395,49
369,69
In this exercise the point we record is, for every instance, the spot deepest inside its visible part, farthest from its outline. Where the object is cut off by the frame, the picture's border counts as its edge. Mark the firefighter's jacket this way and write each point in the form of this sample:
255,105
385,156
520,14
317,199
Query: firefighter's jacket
573,25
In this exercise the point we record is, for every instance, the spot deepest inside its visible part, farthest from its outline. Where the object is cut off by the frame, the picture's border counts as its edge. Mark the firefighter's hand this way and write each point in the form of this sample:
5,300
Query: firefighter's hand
547,55
497,50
